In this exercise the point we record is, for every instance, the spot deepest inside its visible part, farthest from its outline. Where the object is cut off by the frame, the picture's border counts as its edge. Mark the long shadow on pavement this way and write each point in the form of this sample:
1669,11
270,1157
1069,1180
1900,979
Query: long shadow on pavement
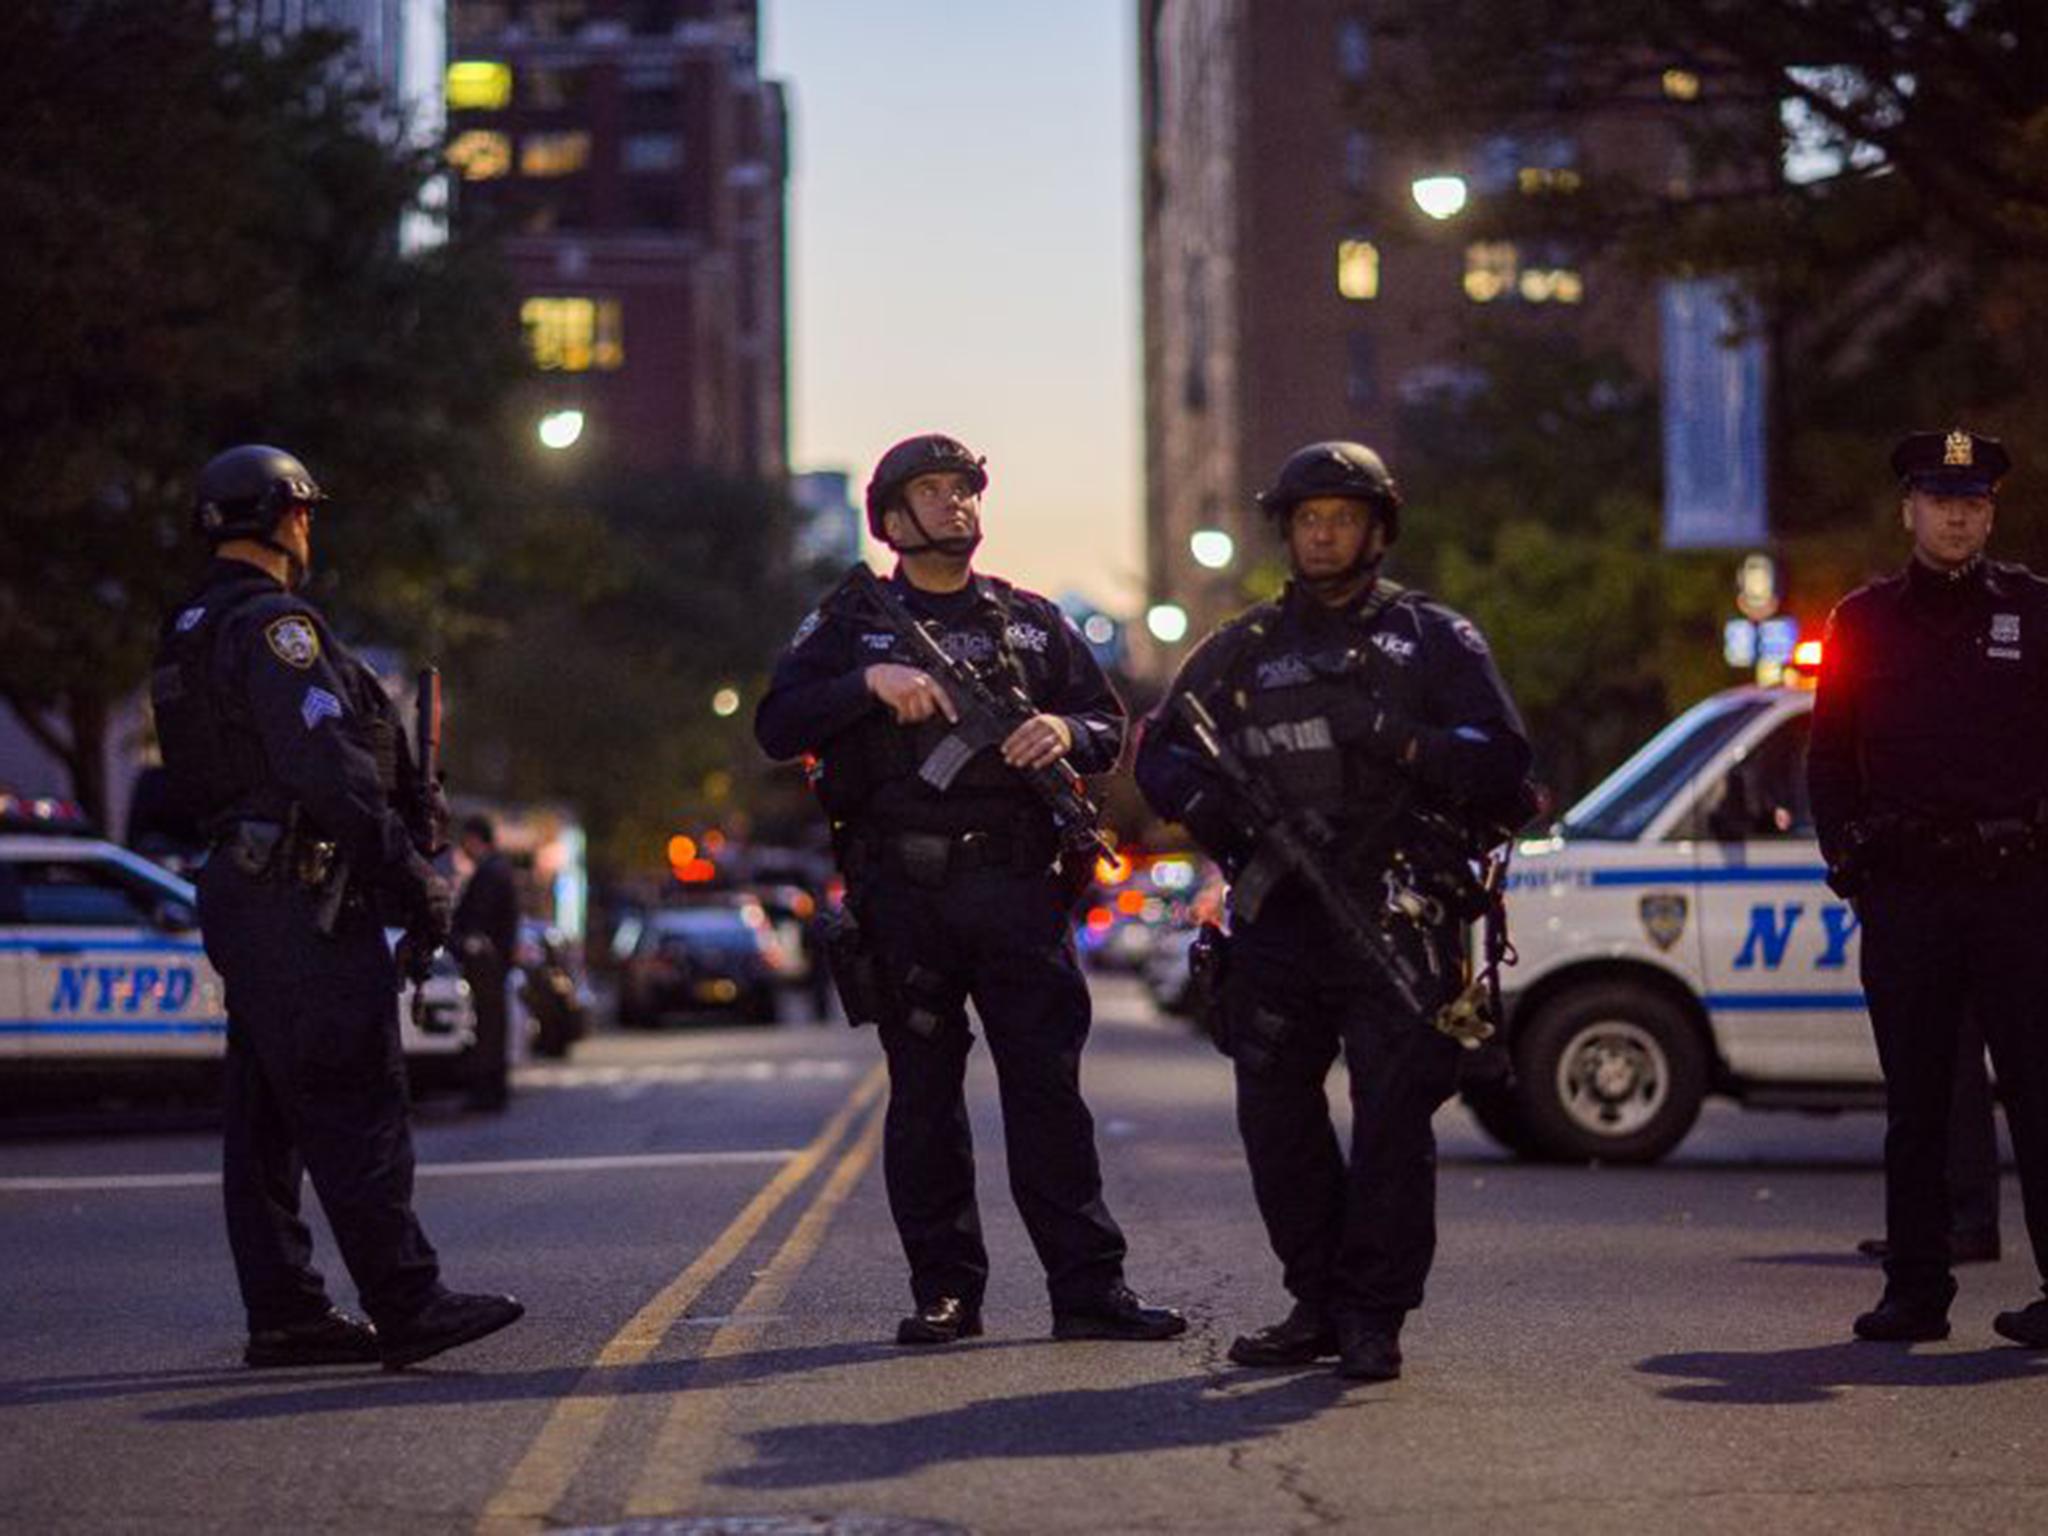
1823,1372
1104,1421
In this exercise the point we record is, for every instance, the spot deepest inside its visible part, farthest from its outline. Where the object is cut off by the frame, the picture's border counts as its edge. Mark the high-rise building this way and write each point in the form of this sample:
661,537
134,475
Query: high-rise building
633,159
1307,274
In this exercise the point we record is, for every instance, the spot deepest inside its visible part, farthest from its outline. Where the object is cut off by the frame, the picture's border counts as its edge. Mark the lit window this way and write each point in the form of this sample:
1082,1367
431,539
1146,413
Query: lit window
479,85
573,335
1537,179
1489,270
1358,269
1681,85
651,152
554,154
1354,48
1357,159
481,155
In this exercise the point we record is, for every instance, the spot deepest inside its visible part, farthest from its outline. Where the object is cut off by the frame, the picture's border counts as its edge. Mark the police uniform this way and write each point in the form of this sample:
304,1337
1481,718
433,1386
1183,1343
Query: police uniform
958,894
290,754
1928,771
1301,687
1380,717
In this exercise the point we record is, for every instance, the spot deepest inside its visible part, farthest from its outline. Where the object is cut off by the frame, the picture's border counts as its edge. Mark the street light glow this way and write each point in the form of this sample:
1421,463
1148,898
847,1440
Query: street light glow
1212,548
1100,629
725,702
560,429
1168,622
1441,197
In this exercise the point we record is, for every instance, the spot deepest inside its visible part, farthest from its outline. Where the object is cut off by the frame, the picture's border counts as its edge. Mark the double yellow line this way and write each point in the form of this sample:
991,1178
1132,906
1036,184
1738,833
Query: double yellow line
543,1475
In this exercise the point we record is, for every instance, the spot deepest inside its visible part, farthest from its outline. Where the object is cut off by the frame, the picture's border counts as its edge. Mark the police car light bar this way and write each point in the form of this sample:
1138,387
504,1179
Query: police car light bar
42,813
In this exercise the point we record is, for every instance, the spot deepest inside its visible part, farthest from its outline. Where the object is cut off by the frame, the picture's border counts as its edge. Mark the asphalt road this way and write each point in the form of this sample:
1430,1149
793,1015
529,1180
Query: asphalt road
698,1227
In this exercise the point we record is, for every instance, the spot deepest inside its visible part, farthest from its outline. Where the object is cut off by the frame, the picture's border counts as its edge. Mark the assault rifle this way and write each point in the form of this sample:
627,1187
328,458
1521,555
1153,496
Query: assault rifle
1289,842
988,714
427,820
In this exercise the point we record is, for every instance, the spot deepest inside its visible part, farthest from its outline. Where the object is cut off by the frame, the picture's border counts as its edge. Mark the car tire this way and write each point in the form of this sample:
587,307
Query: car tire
1612,1072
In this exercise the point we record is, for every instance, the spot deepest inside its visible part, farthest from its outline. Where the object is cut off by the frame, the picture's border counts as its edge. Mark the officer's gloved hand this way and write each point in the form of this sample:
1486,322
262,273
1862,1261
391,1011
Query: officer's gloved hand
428,901
1365,720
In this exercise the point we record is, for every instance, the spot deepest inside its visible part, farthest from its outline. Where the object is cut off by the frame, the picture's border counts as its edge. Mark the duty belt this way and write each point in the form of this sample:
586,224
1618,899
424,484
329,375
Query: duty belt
277,850
931,858
1943,847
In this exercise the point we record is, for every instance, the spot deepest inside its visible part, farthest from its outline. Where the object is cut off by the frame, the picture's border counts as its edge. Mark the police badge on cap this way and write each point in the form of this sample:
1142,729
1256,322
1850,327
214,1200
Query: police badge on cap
1957,462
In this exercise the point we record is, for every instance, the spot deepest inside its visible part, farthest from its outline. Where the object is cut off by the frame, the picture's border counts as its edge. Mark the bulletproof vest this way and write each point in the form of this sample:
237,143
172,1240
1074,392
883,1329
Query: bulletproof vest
209,763
871,769
1280,694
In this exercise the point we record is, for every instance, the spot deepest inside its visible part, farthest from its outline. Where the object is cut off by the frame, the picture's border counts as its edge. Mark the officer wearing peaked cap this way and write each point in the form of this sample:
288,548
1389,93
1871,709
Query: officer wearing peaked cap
1929,776
959,895
285,749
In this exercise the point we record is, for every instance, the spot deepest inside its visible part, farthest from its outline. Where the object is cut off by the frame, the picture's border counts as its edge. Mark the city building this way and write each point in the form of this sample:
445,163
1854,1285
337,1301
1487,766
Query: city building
1308,275
633,160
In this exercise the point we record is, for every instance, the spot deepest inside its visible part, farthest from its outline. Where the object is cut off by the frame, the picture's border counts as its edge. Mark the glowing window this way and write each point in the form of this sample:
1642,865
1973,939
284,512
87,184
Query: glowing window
1489,270
1681,85
480,155
651,152
1537,179
1358,269
554,154
479,85
573,334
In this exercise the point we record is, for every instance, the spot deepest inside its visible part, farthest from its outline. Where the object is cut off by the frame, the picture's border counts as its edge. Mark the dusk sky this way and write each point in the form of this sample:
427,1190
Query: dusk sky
964,258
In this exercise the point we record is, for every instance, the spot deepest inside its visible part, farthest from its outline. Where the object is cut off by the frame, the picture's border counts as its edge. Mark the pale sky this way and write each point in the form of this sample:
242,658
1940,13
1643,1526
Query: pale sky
964,258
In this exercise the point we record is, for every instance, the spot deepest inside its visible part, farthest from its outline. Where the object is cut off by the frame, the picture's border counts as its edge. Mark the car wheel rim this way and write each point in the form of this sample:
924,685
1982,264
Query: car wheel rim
1613,1078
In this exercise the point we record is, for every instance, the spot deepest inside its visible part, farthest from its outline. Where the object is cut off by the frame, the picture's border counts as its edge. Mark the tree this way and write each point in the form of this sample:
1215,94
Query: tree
202,236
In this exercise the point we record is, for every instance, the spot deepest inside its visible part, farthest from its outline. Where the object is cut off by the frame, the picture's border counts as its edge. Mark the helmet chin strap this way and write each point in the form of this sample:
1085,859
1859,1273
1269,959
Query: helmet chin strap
961,547
294,568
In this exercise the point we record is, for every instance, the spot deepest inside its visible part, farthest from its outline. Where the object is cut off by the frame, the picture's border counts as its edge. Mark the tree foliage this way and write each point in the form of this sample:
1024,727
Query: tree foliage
202,237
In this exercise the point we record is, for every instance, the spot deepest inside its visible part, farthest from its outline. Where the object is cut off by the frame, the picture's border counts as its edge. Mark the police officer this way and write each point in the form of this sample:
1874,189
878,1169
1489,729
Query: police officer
959,897
486,937
288,751
1365,704
1929,777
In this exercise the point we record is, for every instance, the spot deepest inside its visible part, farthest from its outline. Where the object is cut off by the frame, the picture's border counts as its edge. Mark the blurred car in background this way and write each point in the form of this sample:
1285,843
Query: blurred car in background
719,954
552,990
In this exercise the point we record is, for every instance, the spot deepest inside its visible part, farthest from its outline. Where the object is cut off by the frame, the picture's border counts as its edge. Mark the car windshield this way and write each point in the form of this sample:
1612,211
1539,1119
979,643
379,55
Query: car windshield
1629,798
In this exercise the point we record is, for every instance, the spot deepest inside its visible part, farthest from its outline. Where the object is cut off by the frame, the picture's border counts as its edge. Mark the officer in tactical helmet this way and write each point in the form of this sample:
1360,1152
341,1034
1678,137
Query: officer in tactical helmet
1376,722
956,883
286,750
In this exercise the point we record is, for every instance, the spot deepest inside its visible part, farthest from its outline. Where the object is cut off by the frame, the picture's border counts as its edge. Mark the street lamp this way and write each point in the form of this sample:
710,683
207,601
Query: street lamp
1168,623
725,702
1212,548
1441,197
560,429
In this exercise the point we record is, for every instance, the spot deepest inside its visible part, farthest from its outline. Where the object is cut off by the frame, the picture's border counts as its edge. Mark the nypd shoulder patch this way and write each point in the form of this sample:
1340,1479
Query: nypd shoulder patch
318,705
294,641
1469,636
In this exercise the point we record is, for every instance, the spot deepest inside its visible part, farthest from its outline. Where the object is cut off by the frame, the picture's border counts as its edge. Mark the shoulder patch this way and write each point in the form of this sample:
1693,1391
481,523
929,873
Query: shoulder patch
189,619
293,640
318,705
808,628
1469,636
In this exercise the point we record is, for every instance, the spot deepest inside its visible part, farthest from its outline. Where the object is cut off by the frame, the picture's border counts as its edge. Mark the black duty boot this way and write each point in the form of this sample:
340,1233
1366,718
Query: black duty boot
445,1322
1303,1337
1898,1320
1116,1314
944,1321
336,1339
2028,1326
1367,1350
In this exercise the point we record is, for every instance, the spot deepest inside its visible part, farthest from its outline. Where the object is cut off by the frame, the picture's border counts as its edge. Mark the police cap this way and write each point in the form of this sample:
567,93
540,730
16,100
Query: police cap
1953,463
929,453
1336,468
243,492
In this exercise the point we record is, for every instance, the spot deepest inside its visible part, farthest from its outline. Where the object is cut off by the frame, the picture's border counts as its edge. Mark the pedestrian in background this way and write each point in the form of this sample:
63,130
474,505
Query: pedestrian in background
486,938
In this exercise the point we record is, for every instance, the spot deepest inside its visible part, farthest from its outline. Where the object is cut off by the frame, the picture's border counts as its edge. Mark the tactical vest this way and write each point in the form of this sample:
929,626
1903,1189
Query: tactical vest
870,769
211,764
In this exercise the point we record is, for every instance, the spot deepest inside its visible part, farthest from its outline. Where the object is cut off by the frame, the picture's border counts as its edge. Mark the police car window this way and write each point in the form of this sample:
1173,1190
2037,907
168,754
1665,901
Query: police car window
67,893
1629,799
1777,782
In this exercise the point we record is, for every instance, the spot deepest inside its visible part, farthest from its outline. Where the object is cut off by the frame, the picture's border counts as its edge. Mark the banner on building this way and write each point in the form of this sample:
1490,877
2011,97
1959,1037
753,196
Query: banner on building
1714,383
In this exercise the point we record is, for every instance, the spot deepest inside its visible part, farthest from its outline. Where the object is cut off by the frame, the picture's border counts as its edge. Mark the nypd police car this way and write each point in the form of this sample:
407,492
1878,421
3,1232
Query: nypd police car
101,963
1676,939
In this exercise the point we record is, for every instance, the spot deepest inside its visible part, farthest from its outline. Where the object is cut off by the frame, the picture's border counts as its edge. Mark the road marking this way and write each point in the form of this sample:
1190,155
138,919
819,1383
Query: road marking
543,1475
524,1165
802,1069
673,1472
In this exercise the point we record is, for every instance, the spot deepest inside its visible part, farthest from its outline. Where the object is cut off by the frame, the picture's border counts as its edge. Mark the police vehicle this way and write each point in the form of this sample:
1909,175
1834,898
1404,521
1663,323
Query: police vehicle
101,965
1676,939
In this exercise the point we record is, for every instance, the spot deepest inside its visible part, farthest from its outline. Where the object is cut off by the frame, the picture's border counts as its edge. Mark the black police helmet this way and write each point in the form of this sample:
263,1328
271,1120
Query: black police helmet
1953,463
243,492
1334,469
931,453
